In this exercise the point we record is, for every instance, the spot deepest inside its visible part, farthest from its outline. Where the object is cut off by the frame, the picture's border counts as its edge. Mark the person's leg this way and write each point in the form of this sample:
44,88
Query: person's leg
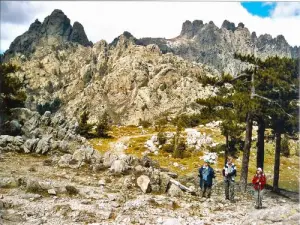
204,189
208,192
256,199
226,186
231,190
261,194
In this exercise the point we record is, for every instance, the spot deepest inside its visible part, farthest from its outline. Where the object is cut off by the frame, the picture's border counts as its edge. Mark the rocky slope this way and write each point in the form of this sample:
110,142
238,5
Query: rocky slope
209,44
57,24
129,81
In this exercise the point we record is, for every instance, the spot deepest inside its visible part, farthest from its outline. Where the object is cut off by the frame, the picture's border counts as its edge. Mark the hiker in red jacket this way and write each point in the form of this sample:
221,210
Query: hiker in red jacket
259,181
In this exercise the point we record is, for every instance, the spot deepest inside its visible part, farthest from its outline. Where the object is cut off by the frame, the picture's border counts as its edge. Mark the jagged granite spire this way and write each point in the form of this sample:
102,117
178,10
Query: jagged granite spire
56,24
214,46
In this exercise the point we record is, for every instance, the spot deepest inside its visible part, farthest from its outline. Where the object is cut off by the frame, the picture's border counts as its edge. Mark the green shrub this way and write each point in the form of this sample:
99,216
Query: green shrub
144,123
161,137
168,148
103,69
11,94
84,129
187,120
179,150
285,148
53,106
103,126
87,77
163,87
49,87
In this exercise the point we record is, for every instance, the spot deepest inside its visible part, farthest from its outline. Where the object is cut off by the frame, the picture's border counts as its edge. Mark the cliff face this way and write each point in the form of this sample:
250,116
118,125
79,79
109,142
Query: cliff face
56,25
209,44
129,81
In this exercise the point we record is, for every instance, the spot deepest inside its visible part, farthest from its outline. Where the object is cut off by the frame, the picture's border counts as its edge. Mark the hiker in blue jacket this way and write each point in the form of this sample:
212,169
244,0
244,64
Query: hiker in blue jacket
206,174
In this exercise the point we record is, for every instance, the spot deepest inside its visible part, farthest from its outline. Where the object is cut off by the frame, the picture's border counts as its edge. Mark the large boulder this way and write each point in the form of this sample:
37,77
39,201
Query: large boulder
44,145
109,158
119,166
46,118
8,182
174,191
11,143
30,145
65,160
164,181
33,186
144,183
15,127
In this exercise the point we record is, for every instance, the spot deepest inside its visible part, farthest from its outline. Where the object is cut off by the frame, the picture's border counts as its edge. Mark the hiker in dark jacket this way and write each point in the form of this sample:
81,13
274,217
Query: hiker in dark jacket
229,173
206,174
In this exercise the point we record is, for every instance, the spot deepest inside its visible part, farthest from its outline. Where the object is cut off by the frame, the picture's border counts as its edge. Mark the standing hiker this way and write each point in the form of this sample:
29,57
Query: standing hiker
259,181
206,174
229,173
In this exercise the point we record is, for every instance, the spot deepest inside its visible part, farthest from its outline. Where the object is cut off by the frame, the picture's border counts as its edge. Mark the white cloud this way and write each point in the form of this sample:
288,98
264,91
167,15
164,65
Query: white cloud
107,20
286,9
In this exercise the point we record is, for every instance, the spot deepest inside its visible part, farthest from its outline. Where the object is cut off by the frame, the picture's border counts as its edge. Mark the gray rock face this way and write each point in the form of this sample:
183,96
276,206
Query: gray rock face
78,35
57,24
43,146
11,143
208,44
30,145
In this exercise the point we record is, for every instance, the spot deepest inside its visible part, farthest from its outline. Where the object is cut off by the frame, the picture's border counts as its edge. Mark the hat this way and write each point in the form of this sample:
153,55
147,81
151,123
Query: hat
207,160
259,169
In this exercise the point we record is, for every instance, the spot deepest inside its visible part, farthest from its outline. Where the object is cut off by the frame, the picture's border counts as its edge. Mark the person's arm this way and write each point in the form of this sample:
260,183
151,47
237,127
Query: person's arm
254,180
223,172
200,172
213,173
263,180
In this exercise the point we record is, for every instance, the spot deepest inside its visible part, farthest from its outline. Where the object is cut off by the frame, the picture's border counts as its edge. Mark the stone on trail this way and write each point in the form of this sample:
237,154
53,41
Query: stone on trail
144,183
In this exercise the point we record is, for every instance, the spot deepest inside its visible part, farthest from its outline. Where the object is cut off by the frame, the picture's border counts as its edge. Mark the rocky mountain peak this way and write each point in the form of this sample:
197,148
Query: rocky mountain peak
78,35
124,38
57,24
190,29
214,46
228,25
35,25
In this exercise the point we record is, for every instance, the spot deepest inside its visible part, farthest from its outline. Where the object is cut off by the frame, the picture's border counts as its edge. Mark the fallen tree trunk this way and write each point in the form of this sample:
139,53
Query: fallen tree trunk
181,186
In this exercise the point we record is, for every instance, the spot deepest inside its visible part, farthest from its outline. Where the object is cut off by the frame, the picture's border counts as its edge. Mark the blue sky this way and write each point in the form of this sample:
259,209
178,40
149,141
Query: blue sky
261,9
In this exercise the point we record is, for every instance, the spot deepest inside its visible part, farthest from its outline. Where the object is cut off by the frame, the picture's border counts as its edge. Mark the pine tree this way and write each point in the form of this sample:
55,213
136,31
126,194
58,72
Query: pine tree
84,128
275,90
103,126
11,95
